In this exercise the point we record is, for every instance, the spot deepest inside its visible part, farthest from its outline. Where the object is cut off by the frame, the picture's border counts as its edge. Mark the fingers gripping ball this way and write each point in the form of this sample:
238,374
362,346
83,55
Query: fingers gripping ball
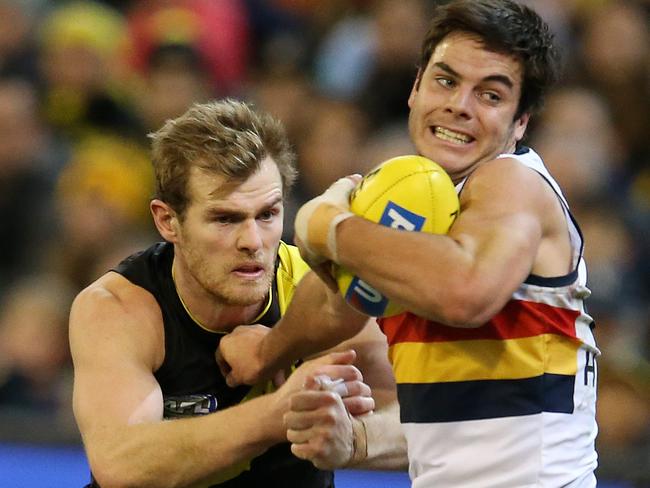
410,193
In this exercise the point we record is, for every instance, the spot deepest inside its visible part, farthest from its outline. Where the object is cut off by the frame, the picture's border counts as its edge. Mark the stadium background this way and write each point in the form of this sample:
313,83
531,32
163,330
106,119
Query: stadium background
82,83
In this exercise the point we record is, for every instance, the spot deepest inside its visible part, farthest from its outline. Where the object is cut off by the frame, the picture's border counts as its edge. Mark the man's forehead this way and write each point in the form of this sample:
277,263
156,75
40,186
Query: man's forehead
460,50
264,183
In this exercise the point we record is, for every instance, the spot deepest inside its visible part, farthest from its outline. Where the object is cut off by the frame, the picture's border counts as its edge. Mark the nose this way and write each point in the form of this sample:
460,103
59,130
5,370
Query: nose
249,238
459,103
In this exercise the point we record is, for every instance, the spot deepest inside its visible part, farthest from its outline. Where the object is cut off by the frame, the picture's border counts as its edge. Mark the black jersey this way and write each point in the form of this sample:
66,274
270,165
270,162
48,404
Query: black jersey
189,377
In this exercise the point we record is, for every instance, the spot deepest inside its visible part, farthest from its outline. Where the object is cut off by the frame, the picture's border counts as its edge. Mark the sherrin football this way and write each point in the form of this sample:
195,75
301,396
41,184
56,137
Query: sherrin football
410,193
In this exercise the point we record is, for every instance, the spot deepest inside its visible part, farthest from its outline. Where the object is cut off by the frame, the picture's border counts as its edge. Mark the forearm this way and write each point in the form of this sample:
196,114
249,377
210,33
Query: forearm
384,443
316,320
429,275
185,452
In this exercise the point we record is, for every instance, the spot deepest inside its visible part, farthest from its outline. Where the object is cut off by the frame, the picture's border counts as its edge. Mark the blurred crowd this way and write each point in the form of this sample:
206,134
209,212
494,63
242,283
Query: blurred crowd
82,83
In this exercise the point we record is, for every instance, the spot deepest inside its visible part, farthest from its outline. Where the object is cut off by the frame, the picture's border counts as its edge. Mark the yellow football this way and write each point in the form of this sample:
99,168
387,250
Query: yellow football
410,193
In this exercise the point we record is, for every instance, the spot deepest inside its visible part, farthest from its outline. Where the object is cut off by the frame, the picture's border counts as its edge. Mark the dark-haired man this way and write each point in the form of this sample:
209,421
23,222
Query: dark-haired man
495,362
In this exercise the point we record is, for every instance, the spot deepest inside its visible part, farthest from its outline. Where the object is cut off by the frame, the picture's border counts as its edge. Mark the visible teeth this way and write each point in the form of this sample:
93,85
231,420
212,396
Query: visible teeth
451,136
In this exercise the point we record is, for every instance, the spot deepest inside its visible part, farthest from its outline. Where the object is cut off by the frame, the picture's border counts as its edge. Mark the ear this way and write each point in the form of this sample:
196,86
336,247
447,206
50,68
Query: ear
165,219
415,88
520,126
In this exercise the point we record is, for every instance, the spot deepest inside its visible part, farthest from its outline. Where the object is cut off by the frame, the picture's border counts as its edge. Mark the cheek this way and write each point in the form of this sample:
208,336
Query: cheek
273,233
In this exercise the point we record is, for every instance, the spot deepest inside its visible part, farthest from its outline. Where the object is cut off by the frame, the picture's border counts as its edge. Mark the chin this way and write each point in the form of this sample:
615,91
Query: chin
244,295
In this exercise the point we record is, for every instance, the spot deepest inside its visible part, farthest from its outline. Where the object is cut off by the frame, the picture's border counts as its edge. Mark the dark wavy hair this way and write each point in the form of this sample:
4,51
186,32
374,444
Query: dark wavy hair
504,26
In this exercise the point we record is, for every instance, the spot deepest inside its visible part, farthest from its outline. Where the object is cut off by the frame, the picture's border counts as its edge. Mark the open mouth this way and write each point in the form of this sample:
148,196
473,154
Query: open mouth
249,270
452,136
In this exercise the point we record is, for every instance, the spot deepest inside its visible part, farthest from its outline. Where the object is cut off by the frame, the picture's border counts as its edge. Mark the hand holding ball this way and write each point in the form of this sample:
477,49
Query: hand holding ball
410,193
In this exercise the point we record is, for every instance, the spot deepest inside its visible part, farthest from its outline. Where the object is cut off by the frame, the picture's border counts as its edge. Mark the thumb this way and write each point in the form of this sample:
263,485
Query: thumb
280,378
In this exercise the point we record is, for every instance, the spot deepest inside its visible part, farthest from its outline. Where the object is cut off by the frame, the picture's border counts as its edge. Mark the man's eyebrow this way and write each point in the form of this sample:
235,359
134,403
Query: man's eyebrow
445,67
505,80
224,209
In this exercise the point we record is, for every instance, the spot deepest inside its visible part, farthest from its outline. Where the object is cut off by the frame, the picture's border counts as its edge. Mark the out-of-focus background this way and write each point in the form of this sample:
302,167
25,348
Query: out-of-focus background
83,82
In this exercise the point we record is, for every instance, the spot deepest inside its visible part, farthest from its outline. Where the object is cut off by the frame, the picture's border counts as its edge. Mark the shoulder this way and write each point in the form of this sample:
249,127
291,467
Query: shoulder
115,291
114,310
508,180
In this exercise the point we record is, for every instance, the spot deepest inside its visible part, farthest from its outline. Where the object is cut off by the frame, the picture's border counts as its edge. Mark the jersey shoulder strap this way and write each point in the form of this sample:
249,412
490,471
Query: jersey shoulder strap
291,270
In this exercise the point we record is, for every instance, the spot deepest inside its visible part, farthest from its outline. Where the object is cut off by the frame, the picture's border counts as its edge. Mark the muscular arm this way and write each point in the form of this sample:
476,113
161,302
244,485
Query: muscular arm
385,442
115,342
316,320
460,279
115,337
322,432
465,277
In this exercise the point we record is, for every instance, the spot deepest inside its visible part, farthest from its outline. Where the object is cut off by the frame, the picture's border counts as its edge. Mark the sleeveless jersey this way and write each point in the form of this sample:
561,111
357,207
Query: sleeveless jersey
189,377
508,404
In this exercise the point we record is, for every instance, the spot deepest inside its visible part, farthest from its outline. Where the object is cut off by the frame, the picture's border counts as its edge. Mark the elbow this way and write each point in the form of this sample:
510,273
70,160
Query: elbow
460,307
462,316
112,479
112,476
111,473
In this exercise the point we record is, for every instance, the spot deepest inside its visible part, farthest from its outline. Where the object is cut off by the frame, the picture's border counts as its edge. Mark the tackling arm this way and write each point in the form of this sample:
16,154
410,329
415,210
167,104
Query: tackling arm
316,320
462,278
116,343
372,441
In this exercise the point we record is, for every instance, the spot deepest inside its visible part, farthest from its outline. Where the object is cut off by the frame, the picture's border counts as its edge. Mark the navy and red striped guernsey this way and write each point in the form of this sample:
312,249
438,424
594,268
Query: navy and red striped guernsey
510,403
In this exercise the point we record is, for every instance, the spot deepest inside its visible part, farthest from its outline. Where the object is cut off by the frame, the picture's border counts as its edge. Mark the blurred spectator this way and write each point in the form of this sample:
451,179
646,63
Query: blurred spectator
35,373
616,301
28,168
174,79
576,135
400,28
331,146
18,53
102,196
637,216
616,62
287,96
373,59
624,424
217,29
389,142
82,44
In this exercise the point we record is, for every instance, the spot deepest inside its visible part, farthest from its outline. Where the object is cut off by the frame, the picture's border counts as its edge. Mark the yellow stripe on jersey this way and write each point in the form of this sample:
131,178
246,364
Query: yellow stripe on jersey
291,270
435,362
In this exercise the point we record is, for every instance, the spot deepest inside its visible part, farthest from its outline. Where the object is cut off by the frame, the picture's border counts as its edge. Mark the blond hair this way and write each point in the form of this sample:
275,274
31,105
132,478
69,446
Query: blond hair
226,137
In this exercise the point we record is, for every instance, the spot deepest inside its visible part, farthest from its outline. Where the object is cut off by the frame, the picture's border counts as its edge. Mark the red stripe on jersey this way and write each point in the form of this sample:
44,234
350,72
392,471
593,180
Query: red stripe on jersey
516,320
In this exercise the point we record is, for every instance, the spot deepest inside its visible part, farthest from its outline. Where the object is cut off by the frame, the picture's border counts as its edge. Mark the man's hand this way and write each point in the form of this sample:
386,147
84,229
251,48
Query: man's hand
239,355
315,226
320,425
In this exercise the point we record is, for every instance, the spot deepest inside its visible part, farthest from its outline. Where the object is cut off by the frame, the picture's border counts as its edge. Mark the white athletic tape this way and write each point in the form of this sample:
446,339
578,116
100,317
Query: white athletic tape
336,386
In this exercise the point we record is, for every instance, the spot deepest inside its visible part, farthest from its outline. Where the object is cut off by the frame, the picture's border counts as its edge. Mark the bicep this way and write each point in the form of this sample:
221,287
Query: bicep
114,384
499,226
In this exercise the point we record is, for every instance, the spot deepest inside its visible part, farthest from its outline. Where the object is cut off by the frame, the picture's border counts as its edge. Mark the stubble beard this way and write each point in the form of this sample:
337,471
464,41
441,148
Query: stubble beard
225,288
